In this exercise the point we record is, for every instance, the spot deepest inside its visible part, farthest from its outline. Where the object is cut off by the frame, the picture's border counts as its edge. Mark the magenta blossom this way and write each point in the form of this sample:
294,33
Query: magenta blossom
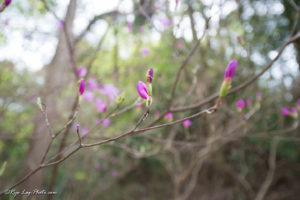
7,2
298,102
259,95
98,166
101,105
145,51
84,131
106,122
92,84
249,102
285,111
60,25
129,26
294,110
141,29
81,87
169,115
149,76
142,90
114,173
110,91
88,96
240,104
187,123
180,44
81,71
230,70
239,39
165,22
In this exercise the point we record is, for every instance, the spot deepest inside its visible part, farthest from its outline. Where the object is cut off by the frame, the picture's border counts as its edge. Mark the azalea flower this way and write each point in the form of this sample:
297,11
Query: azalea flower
169,115
228,76
145,51
92,84
240,104
101,105
88,96
81,87
285,111
187,123
109,90
142,90
106,122
81,71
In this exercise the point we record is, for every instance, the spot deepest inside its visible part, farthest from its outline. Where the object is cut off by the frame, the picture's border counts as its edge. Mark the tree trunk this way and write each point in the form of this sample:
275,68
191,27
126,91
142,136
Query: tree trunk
57,75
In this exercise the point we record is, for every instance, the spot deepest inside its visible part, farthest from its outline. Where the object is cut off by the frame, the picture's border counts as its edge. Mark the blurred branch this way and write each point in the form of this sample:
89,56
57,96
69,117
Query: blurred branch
242,85
270,175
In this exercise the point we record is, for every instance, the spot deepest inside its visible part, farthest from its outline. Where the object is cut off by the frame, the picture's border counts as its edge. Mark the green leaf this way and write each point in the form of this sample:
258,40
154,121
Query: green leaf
3,168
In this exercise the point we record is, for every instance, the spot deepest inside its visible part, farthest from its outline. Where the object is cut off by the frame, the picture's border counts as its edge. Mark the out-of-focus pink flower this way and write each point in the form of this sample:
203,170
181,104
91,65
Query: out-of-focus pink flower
298,102
84,131
60,25
81,71
101,105
141,29
98,166
156,113
165,21
187,123
6,22
114,173
180,44
88,96
142,90
259,95
149,76
230,70
129,26
81,87
7,2
249,102
240,104
106,122
109,90
239,39
145,51
169,115
285,111
92,84
294,110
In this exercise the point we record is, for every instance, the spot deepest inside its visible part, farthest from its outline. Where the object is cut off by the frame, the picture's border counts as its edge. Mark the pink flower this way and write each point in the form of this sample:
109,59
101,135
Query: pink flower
180,44
249,102
145,51
285,111
169,115
259,95
165,22
142,90
81,71
97,121
6,22
240,104
98,166
84,131
114,173
60,25
230,70
81,87
6,2
298,102
109,90
92,84
106,122
239,39
129,26
101,105
156,113
187,123
139,104
294,110
141,29
149,76
88,96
